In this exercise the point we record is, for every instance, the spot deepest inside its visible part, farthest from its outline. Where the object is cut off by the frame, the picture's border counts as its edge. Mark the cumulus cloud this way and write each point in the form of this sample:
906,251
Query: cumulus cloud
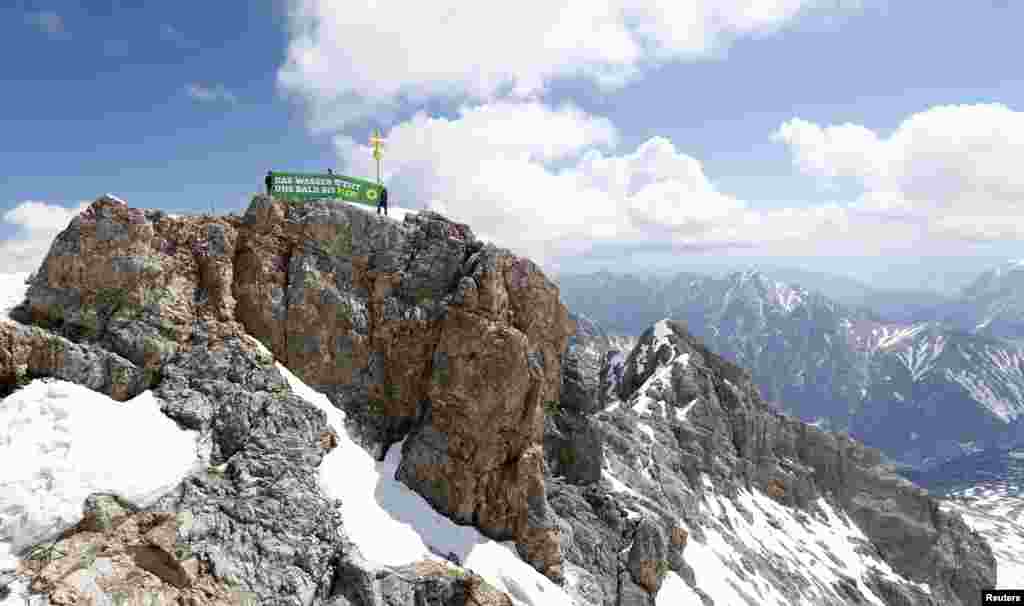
546,183
210,94
36,224
953,170
47,22
348,60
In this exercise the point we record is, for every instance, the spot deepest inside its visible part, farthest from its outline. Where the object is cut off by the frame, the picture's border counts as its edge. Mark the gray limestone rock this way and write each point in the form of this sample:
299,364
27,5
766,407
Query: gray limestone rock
714,423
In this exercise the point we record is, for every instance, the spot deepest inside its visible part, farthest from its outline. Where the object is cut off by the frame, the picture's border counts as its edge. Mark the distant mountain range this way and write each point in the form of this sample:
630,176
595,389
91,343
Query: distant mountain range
995,469
992,305
924,392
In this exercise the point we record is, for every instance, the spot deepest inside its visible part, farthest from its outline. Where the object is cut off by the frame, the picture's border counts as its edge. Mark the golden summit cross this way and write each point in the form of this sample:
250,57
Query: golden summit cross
378,143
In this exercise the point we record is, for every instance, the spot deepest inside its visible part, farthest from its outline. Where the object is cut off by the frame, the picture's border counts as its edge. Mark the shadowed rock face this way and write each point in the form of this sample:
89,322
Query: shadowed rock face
417,330
703,429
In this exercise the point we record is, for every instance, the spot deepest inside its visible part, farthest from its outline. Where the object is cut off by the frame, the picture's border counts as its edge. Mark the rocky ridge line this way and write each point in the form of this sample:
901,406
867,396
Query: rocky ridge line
418,330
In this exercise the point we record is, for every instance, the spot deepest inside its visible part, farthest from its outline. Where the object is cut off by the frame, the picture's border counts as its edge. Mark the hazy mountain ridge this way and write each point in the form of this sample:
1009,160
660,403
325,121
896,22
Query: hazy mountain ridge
993,305
922,392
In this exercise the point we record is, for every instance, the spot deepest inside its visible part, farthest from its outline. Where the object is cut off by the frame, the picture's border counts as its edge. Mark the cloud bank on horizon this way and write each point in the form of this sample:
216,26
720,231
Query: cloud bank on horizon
36,224
551,182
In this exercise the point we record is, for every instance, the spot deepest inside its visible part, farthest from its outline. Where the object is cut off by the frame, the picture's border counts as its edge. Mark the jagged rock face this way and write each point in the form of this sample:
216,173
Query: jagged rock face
28,351
251,519
689,426
581,379
419,583
421,328
572,444
417,330
136,556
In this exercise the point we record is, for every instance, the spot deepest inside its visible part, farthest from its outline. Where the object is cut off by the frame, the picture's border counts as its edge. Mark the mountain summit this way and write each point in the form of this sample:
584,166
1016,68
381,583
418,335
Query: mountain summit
691,450
419,332
395,413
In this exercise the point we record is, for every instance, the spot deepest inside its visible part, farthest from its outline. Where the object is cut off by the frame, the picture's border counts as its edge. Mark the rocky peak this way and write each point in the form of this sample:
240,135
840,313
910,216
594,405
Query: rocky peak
664,351
416,329
687,398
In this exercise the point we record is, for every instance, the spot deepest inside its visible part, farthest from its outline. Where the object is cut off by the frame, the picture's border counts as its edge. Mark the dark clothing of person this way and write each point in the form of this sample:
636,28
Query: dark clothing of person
269,181
382,201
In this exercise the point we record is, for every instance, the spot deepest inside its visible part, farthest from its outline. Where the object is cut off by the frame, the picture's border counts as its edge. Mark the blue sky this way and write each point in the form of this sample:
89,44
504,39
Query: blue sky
180,106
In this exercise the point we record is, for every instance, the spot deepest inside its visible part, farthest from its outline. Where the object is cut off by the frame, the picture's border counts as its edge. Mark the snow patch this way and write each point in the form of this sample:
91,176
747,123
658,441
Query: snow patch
69,442
395,213
919,358
392,525
787,298
617,484
891,335
656,384
997,386
643,406
661,330
682,412
675,592
12,292
993,512
824,550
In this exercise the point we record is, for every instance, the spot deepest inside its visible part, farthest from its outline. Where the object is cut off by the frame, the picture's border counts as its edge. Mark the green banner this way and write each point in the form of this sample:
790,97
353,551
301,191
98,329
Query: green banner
313,186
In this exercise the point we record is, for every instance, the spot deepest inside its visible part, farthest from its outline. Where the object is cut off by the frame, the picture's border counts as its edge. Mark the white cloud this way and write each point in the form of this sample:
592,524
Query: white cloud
37,224
548,182
210,94
542,182
48,22
953,170
349,60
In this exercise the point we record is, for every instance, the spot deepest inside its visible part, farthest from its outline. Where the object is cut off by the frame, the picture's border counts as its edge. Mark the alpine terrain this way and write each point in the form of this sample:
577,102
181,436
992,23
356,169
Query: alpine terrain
921,392
309,404
992,305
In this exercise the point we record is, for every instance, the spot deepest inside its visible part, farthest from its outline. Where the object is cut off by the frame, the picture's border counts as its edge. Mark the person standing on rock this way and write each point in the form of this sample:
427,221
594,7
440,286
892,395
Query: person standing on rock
269,182
382,201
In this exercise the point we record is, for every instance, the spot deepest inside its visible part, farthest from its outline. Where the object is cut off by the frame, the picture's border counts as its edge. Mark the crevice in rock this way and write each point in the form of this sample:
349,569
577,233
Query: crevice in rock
286,306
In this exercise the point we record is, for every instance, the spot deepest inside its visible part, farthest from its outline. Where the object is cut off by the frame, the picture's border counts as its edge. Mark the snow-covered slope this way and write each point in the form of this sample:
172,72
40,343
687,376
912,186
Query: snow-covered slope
69,441
824,550
679,449
62,434
992,305
996,511
392,525
394,212
744,546
12,292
